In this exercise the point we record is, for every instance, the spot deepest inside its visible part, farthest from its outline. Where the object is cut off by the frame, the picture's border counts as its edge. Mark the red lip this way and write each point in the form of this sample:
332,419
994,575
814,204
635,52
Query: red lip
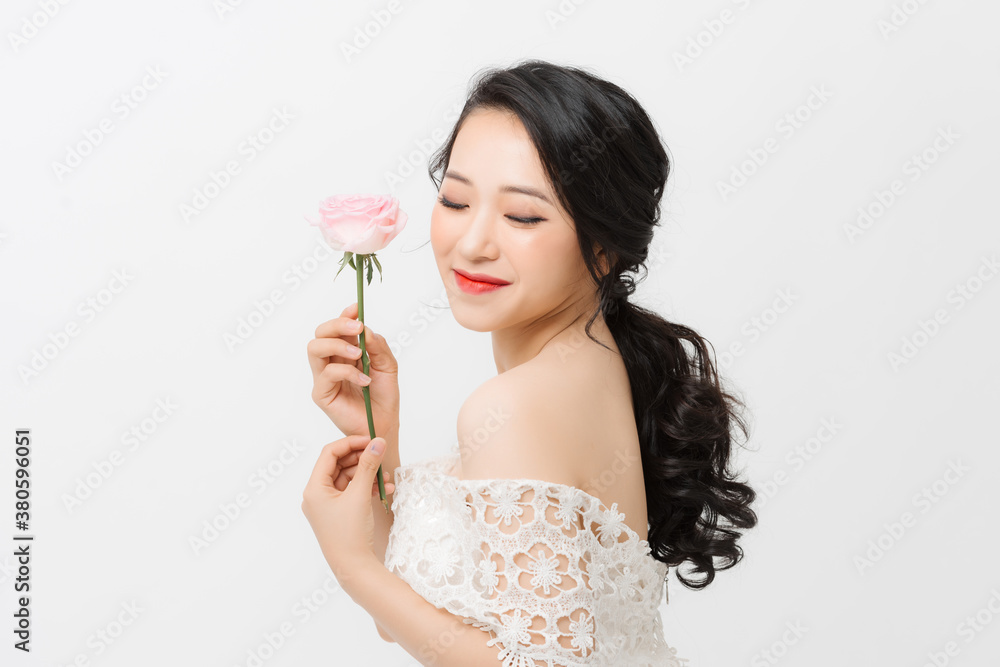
470,286
483,278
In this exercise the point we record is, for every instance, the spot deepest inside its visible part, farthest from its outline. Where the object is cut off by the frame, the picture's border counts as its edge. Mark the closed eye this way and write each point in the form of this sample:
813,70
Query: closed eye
458,207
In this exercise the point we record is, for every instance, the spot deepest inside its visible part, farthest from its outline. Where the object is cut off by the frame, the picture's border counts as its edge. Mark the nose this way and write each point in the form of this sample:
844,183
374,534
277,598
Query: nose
477,241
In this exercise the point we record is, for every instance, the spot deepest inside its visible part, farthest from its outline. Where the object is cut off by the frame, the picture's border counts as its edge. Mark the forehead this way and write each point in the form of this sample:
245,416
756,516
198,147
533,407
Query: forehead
493,147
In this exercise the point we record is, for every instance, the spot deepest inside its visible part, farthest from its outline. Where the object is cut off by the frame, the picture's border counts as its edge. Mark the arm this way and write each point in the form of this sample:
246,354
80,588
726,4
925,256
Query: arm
383,521
435,636
432,635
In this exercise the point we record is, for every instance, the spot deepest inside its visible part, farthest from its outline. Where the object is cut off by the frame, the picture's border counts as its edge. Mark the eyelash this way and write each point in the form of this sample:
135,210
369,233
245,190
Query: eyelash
458,207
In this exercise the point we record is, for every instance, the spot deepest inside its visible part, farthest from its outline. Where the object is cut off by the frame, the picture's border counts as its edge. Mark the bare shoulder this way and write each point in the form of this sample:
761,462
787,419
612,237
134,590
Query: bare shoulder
512,427
548,419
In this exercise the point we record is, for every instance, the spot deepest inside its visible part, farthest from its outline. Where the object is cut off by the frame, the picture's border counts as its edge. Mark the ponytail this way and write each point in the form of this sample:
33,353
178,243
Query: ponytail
684,419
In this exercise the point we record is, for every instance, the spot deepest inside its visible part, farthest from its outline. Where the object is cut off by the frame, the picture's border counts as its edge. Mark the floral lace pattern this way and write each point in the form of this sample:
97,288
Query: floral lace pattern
555,577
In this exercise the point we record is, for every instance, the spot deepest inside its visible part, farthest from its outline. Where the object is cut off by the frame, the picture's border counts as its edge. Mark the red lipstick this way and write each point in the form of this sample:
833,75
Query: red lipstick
478,283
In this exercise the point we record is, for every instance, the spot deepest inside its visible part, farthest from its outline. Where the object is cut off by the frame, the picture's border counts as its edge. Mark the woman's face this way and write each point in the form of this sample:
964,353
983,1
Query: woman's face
496,179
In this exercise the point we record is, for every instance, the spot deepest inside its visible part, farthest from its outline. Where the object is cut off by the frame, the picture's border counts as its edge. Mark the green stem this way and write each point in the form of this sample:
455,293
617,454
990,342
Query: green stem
359,268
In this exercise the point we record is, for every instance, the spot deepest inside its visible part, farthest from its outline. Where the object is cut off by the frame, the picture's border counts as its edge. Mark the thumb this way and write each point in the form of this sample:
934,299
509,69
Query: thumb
379,352
371,459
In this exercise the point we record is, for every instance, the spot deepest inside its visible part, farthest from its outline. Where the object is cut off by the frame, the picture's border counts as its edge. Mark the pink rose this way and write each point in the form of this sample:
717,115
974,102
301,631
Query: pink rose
361,224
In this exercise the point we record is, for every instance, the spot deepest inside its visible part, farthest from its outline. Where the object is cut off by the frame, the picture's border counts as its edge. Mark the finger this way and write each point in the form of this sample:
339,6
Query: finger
380,355
324,351
368,466
348,465
321,352
329,384
343,479
389,488
351,459
343,327
347,474
327,464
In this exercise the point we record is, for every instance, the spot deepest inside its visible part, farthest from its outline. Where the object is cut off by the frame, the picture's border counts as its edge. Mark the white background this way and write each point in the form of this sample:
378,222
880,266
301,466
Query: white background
719,265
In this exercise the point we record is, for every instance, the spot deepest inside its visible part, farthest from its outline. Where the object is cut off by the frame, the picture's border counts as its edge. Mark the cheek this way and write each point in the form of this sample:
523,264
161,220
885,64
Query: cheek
440,241
550,263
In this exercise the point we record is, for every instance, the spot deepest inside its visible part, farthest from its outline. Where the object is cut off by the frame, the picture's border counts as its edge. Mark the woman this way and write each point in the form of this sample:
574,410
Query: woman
541,541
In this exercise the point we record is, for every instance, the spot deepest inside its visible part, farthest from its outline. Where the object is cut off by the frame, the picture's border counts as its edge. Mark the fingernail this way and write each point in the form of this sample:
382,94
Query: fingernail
363,379
377,446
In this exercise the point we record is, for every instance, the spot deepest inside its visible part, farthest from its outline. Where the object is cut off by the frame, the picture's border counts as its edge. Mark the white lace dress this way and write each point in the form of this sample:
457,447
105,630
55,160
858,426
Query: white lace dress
555,577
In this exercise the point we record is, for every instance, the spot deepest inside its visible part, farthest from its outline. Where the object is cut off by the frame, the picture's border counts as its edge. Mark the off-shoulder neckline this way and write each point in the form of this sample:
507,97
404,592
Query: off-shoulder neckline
535,483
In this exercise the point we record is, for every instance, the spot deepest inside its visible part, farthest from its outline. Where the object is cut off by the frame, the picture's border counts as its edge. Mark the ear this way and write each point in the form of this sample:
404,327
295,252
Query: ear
603,261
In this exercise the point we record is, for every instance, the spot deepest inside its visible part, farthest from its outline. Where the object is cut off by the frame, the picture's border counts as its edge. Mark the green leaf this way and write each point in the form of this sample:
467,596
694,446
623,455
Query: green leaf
352,263
343,263
369,263
379,267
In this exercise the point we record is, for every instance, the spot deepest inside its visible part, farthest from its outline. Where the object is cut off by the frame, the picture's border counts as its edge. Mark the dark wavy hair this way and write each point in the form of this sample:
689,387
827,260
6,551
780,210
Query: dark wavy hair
609,168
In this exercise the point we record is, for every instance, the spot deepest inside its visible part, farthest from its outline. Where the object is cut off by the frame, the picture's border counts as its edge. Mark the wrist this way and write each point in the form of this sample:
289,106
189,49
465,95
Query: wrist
391,436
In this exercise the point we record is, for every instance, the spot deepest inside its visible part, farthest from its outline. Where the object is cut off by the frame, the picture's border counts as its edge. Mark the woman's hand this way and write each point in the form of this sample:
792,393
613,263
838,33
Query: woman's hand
337,501
337,389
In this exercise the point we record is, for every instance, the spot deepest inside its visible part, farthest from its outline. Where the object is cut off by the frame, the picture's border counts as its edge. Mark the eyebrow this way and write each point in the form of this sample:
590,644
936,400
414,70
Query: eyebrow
522,189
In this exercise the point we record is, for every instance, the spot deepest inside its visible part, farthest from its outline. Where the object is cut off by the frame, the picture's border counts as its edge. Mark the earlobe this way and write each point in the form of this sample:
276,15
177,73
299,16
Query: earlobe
602,260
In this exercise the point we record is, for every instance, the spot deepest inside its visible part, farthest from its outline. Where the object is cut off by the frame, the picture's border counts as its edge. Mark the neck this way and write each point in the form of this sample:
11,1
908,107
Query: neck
516,345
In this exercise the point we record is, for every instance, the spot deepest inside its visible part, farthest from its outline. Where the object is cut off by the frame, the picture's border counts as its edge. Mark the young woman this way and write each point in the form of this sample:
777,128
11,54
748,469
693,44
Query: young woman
595,459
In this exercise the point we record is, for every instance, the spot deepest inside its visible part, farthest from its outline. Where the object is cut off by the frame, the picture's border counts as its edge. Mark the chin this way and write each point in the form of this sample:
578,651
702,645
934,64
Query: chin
467,317
475,313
